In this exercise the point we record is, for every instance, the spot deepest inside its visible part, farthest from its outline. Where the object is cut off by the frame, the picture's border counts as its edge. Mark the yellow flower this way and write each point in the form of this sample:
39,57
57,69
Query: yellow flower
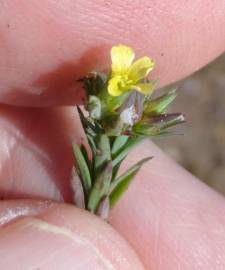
126,75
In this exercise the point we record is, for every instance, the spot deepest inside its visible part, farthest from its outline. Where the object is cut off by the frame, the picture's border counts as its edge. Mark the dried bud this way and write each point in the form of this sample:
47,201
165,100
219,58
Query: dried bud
156,125
103,208
94,82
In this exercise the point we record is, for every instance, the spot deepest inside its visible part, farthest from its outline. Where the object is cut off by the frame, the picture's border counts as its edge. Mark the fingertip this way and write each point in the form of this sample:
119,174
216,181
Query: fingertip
62,236
48,45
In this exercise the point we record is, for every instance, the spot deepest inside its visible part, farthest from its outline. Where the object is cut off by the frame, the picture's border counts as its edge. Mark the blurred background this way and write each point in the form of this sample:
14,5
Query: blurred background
200,147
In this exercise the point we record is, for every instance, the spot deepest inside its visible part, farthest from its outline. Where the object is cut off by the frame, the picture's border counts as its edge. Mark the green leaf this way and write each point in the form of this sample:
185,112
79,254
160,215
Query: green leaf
126,149
85,155
119,142
92,144
120,184
117,145
115,170
82,168
159,105
101,187
103,151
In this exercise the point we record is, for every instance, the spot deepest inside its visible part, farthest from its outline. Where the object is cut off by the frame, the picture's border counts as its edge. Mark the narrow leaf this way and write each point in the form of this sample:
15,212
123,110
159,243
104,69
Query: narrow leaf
159,105
103,152
115,170
83,168
126,149
101,187
121,184
118,144
85,155
92,144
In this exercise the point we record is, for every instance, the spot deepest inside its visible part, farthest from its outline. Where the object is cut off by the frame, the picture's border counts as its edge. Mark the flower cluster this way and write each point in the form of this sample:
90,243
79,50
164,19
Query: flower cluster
119,113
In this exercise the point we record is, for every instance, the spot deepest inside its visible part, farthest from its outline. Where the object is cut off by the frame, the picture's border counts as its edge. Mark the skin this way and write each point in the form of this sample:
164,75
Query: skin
168,219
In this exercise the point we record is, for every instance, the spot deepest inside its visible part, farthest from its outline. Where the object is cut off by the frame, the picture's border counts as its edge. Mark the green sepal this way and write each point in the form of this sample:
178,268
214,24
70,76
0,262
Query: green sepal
83,169
121,184
113,103
146,129
101,187
159,105
156,125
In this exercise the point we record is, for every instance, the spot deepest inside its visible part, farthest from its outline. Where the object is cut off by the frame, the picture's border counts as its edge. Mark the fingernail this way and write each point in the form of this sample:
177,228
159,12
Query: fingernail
12,210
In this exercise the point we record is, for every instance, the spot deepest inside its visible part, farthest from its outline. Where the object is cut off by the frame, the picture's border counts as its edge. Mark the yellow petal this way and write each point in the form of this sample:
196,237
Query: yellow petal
140,68
145,88
122,58
114,86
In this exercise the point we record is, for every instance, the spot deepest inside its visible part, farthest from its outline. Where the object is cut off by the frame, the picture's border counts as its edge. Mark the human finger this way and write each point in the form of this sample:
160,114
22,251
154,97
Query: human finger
47,45
171,219
43,235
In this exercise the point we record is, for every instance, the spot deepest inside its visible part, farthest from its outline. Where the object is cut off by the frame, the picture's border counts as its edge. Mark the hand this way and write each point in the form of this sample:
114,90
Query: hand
170,219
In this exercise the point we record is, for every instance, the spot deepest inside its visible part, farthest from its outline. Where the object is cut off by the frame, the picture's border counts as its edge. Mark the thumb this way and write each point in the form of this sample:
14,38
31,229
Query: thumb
42,235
